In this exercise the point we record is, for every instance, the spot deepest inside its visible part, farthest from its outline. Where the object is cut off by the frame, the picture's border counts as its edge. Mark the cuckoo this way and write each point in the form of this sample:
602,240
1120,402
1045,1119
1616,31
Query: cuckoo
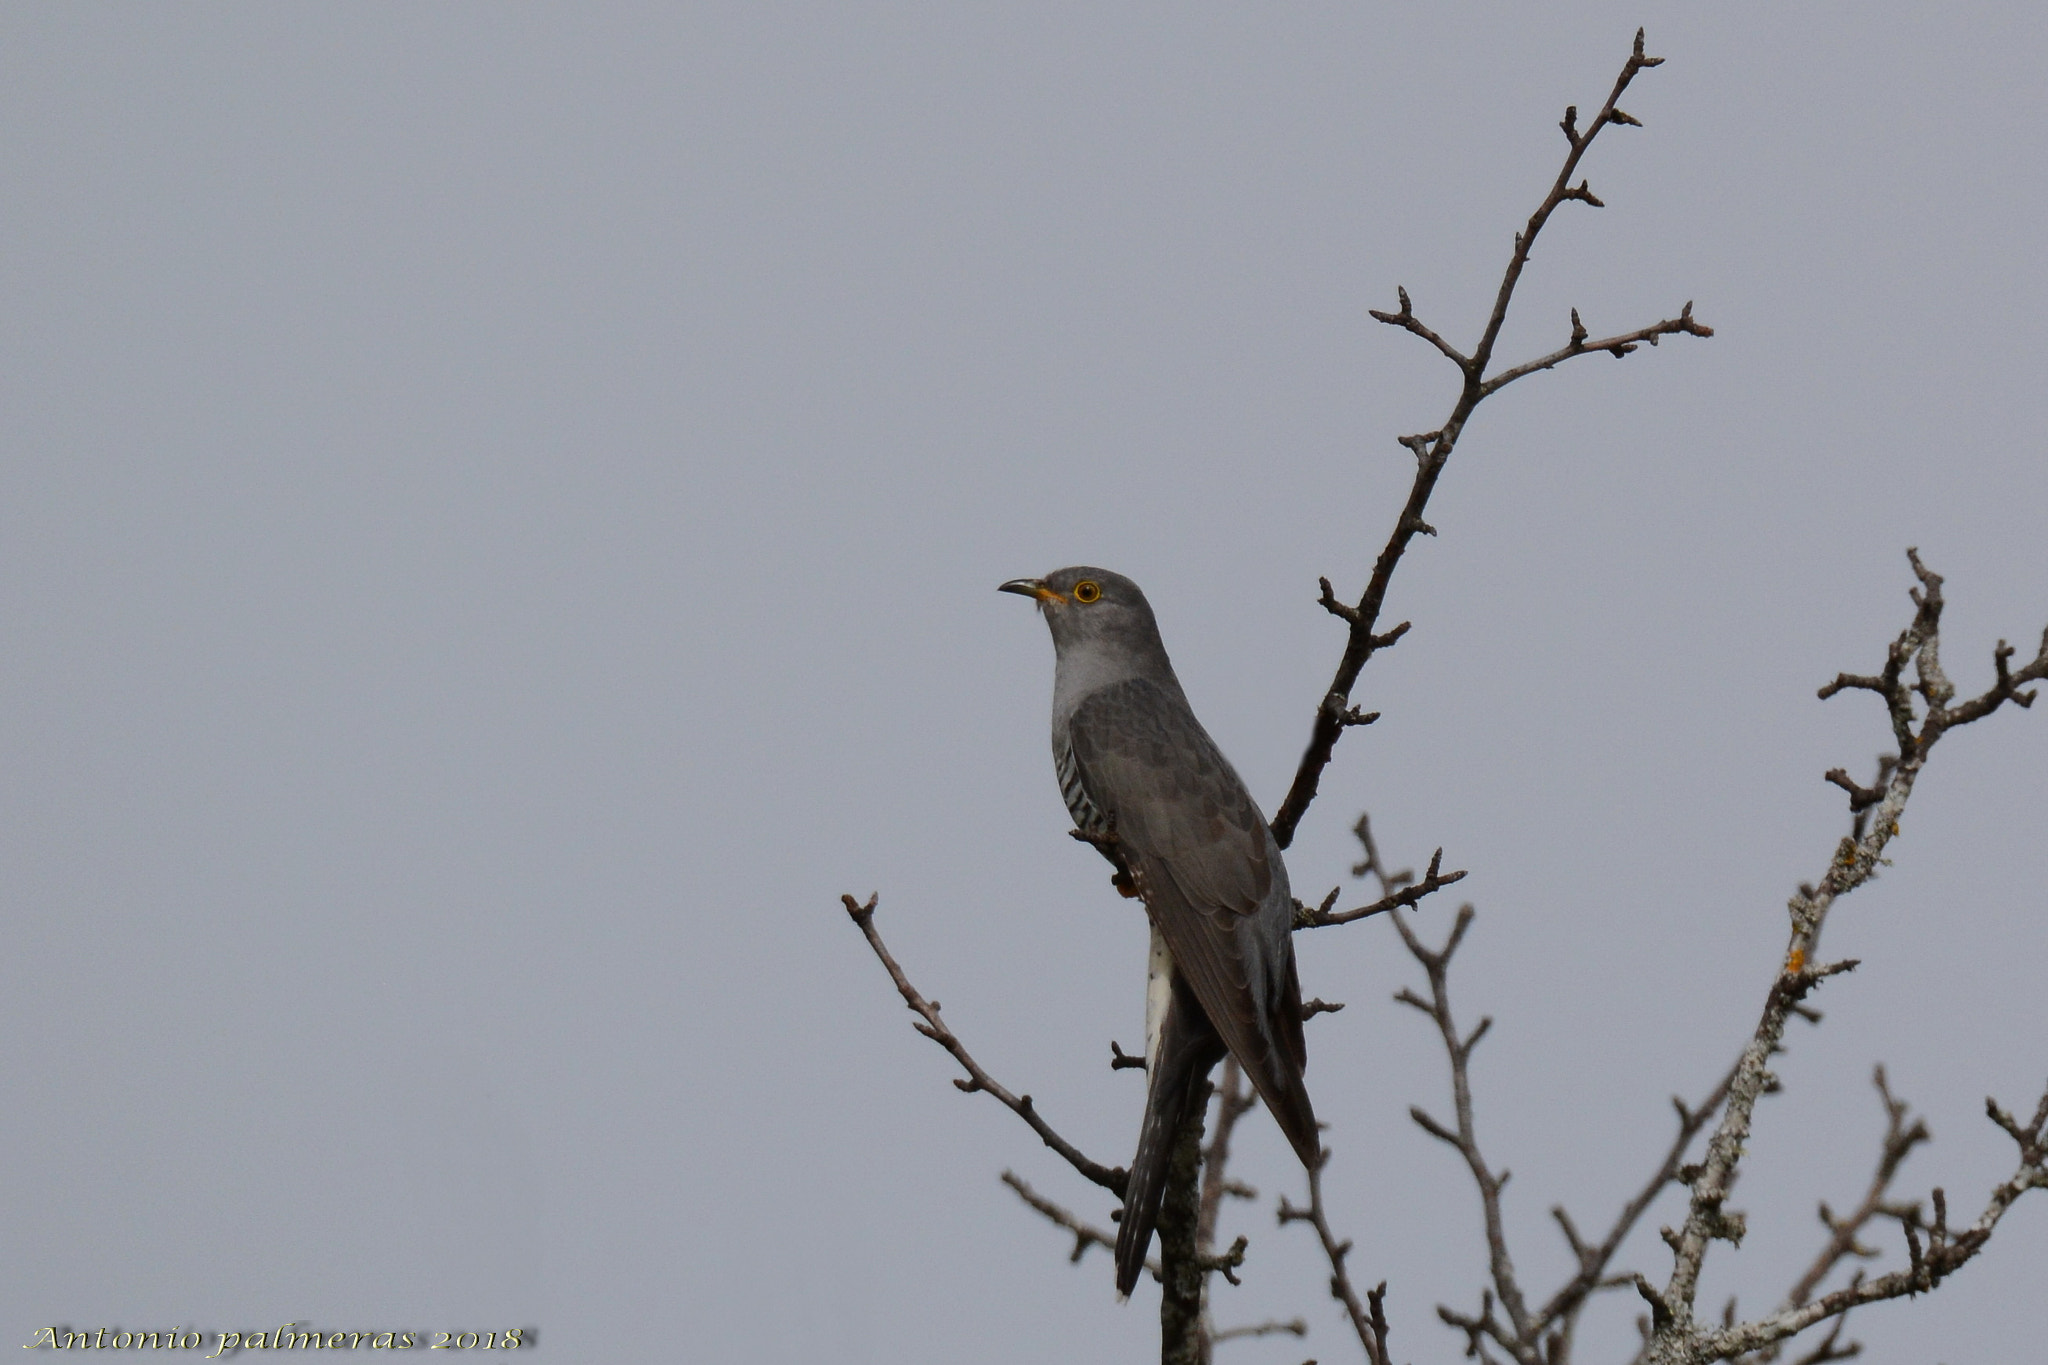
1148,787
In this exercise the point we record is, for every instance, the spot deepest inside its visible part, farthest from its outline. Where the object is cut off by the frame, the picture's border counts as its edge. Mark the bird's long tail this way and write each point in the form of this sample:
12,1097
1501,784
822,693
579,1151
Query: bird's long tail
1188,1048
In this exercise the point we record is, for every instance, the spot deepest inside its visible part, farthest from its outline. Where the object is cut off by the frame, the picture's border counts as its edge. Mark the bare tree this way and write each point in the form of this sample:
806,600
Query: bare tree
1509,1323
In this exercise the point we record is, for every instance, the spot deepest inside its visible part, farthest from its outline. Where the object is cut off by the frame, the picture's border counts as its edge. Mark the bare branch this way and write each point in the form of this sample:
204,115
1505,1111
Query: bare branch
1920,714
1406,320
1227,1263
1086,1235
1432,450
1945,1252
1271,1327
1328,602
1390,882
1436,964
934,1028
1560,1314
1480,1328
1707,1219
1616,346
1831,1347
1525,240
1844,1242
1368,1319
1900,1138
1916,728
1517,1335
1433,881
1234,1099
1544,1336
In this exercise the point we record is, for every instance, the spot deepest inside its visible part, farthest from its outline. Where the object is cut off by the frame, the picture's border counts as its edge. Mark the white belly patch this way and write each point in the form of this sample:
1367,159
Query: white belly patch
1158,991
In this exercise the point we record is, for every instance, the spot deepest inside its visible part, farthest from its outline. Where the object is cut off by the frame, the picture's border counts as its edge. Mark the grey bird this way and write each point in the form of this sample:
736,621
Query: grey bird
1146,785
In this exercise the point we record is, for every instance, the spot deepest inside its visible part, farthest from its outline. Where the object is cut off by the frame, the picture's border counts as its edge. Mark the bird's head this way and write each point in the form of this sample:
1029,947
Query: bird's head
1084,605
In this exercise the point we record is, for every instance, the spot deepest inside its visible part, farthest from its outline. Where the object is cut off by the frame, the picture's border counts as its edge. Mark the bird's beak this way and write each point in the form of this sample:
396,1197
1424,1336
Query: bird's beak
1031,587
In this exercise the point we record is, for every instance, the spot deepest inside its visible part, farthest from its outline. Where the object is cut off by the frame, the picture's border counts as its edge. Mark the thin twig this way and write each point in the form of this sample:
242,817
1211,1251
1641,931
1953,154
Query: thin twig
1271,1327
1900,1138
1434,880
1831,1347
934,1028
1368,1319
1234,1099
1086,1235
1407,321
1616,346
1546,1335
1516,1335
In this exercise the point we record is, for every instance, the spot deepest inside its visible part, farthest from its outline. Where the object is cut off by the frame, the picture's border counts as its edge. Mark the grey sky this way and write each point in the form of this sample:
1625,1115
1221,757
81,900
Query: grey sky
500,510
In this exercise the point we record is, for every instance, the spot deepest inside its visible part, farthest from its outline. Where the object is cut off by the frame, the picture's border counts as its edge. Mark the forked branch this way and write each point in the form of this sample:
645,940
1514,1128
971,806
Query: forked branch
1368,1316
1944,1251
1086,1234
1432,450
1411,894
1845,1232
1917,695
1557,1322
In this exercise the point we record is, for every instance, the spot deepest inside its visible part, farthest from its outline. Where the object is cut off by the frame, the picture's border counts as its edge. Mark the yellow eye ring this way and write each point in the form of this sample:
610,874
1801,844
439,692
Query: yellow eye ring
1086,591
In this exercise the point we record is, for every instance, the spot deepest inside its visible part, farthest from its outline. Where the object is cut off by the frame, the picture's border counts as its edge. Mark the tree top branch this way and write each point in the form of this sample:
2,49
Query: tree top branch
1432,450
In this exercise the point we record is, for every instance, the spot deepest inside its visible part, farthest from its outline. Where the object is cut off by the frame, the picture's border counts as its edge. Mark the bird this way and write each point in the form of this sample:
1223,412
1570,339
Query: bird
1150,789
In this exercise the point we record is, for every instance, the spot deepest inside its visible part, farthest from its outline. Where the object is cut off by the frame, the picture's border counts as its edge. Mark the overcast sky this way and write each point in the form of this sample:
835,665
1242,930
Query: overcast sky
500,512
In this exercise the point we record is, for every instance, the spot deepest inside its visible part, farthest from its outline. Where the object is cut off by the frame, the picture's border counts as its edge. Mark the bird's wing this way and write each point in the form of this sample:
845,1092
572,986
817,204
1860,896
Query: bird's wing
1146,760
1197,849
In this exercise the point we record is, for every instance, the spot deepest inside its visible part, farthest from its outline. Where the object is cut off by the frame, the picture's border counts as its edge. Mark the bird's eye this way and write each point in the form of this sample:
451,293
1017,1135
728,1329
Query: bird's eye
1086,591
